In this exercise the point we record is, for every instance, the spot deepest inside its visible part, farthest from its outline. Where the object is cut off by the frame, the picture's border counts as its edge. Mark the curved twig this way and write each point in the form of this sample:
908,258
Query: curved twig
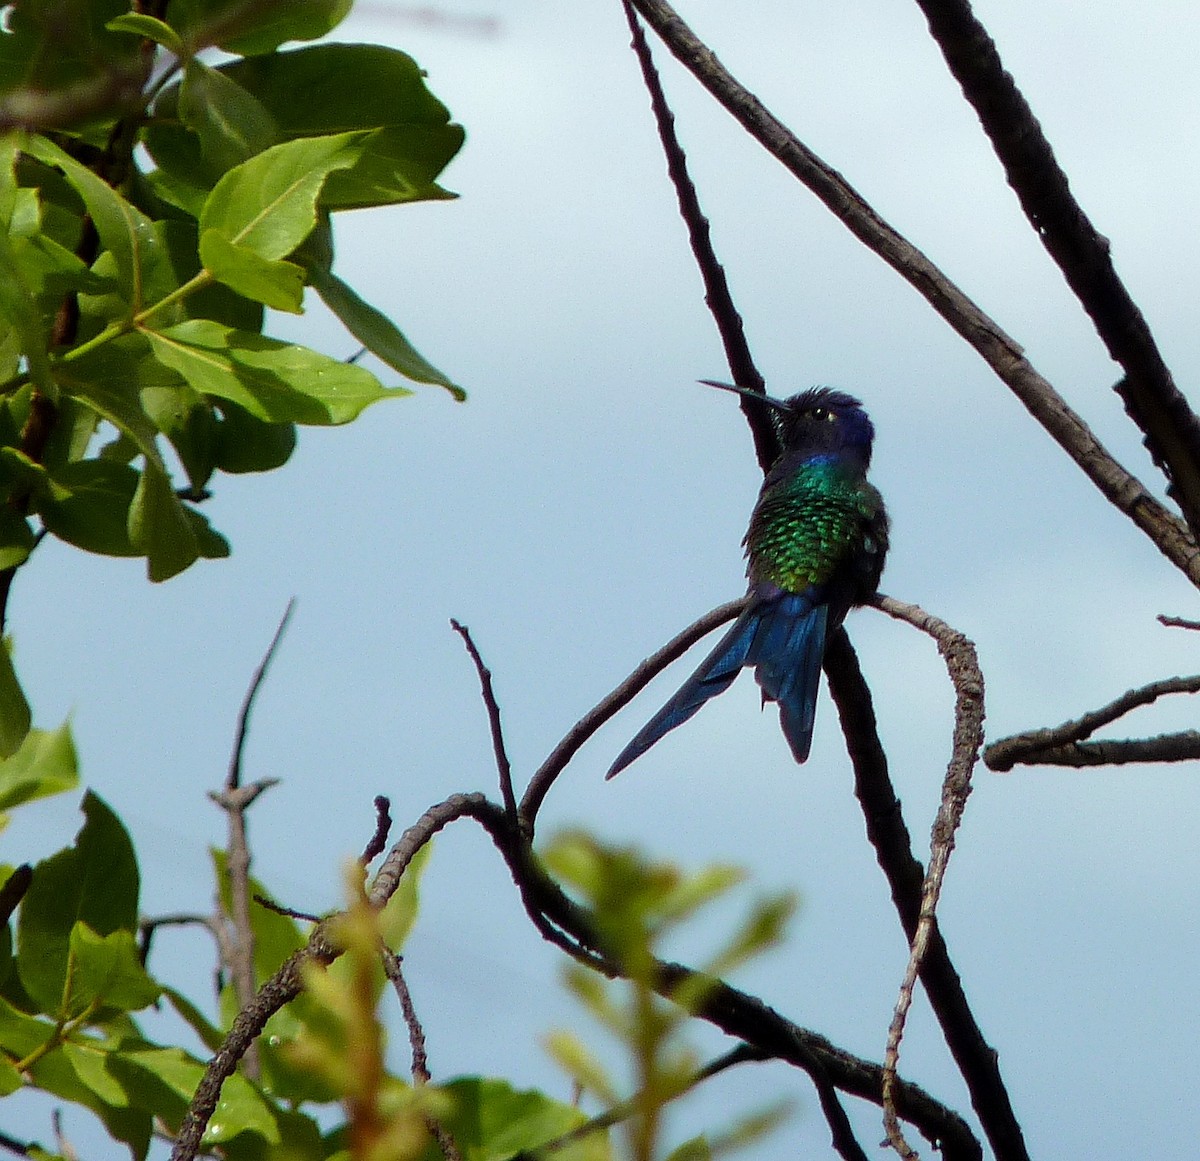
543,779
962,663
977,1061
1057,746
1122,489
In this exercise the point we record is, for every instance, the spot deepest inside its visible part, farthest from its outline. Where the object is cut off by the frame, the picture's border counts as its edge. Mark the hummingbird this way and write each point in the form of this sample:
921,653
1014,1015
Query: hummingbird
815,547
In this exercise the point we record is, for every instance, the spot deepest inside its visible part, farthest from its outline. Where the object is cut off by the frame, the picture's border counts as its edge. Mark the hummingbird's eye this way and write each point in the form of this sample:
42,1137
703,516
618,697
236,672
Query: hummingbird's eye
819,413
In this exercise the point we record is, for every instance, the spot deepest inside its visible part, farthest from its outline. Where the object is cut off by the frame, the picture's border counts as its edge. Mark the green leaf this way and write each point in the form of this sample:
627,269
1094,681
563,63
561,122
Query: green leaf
274,381
10,1078
210,1035
256,28
14,709
159,527
20,1033
55,1074
45,764
276,284
189,421
19,310
269,203
16,538
110,379
96,881
90,1060
490,1121
232,125
88,506
397,164
240,1110
377,332
143,273
148,28
107,971
245,443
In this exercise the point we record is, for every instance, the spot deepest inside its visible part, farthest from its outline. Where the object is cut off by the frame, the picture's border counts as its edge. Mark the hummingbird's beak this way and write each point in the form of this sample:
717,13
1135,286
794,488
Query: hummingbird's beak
778,404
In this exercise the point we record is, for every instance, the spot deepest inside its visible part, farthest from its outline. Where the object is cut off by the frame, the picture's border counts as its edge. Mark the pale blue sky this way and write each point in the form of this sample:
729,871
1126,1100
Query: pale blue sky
589,500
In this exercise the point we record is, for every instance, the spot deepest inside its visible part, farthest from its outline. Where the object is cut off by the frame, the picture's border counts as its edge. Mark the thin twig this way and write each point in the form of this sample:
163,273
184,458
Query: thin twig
1031,747
383,827
716,287
394,970
286,912
503,766
148,927
233,776
1123,490
977,1061
235,800
543,779
1177,622
966,677
1151,398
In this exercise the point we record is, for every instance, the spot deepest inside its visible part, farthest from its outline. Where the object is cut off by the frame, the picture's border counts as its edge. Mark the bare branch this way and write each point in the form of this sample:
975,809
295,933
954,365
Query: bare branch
977,1061
962,663
234,775
543,779
503,766
383,827
1177,622
716,288
1151,398
1031,748
394,970
1002,354
1180,747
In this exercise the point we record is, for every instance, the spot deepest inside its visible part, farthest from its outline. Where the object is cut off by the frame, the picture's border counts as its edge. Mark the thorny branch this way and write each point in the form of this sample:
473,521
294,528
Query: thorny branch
1064,745
1006,358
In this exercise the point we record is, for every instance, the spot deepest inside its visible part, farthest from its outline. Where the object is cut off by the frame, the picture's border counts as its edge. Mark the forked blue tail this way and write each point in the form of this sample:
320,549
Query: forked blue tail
783,636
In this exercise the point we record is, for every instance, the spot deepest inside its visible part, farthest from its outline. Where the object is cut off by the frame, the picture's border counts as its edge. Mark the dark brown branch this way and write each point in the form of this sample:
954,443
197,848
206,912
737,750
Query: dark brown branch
1151,398
383,827
1180,747
543,779
962,664
1002,354
147,928
977,1061
503,766
1177,622
716,287
233,776
1031,748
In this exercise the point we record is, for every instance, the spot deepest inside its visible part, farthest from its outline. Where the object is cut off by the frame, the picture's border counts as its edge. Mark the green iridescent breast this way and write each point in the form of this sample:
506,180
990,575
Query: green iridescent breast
808,524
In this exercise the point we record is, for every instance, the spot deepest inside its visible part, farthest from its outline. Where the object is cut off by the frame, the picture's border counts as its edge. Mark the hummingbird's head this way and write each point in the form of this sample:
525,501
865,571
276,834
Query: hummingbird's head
819,420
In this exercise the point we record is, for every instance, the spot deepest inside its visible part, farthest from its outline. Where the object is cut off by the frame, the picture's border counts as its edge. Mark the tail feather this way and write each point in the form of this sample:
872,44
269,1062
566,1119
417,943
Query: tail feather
783,637
714,675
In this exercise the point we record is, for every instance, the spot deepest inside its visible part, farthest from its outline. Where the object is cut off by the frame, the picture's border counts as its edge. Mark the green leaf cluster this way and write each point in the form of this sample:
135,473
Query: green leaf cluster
635,904
153,207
